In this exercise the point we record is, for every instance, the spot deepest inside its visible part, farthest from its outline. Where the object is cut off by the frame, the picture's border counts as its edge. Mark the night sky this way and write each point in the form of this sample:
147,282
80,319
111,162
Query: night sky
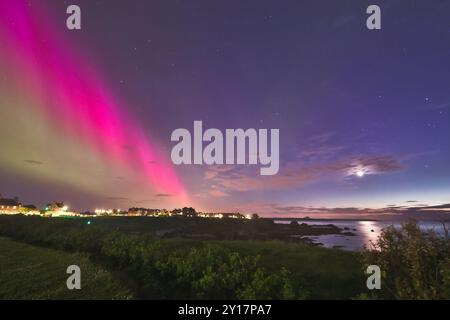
86,115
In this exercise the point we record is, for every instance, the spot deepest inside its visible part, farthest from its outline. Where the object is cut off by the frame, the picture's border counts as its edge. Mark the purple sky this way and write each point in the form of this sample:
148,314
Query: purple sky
344,98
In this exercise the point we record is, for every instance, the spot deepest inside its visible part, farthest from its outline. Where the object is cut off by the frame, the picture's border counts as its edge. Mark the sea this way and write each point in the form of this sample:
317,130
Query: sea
365,231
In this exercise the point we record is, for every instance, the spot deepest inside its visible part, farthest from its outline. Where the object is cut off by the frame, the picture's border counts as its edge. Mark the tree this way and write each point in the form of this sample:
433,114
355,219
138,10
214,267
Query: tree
189,212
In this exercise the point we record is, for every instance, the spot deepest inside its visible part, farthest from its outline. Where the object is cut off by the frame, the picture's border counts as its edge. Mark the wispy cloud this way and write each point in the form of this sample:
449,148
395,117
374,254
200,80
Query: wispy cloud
218,193
34,162
321,151
162,195
293,175
142,201
320,138
437,212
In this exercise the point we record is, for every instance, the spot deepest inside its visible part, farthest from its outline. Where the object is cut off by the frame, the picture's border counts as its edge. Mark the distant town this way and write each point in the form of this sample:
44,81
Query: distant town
60,209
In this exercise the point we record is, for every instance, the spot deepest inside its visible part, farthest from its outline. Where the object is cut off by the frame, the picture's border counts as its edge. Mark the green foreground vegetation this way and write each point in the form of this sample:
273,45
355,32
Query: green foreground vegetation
145,266
29,272
414,264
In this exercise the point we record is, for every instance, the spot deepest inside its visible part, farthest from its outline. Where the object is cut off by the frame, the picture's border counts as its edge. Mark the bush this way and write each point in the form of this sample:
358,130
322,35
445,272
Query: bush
414,264
216,273
159,269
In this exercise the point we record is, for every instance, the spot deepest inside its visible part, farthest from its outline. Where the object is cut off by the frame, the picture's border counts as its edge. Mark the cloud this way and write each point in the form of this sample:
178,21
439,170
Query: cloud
437,212
36,162
117,198
320,146
218,193
293,175
376,164
445,207
216,171
321,138
312,210
431,213
163,195
142,201
321,151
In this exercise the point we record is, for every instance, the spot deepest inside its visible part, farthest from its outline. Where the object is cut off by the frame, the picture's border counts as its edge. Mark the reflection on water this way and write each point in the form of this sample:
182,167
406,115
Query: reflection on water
365,232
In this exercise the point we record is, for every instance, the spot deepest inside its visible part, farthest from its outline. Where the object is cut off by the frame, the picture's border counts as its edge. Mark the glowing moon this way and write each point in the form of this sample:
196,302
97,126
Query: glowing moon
360,173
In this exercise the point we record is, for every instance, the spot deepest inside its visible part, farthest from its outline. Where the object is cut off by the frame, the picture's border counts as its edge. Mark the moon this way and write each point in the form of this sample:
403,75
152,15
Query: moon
360,173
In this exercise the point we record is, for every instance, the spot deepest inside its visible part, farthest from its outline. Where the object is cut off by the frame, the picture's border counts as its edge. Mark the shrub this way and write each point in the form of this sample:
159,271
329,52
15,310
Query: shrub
160,269
414,264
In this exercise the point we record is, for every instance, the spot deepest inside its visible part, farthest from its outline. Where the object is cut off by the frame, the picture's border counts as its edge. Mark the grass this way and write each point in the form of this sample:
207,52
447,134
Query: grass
323,273
29,272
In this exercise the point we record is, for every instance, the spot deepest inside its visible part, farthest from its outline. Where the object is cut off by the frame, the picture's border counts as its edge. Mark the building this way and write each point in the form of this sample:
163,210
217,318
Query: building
109,212
58,209
231,215
144,212
10,206
30,210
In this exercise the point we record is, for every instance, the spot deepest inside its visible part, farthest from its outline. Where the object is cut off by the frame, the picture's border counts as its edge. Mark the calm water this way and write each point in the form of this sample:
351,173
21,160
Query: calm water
366,231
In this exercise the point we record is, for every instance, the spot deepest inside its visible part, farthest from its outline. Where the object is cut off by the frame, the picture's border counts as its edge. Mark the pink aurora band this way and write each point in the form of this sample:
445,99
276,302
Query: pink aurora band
73,94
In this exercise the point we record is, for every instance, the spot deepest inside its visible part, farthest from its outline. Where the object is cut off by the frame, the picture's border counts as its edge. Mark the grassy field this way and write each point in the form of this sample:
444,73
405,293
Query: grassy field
29,272
167,267
35,252
207,229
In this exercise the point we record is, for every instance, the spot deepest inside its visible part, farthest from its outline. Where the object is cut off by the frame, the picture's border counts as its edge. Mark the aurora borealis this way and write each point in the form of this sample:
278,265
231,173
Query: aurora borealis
66,116
86,115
